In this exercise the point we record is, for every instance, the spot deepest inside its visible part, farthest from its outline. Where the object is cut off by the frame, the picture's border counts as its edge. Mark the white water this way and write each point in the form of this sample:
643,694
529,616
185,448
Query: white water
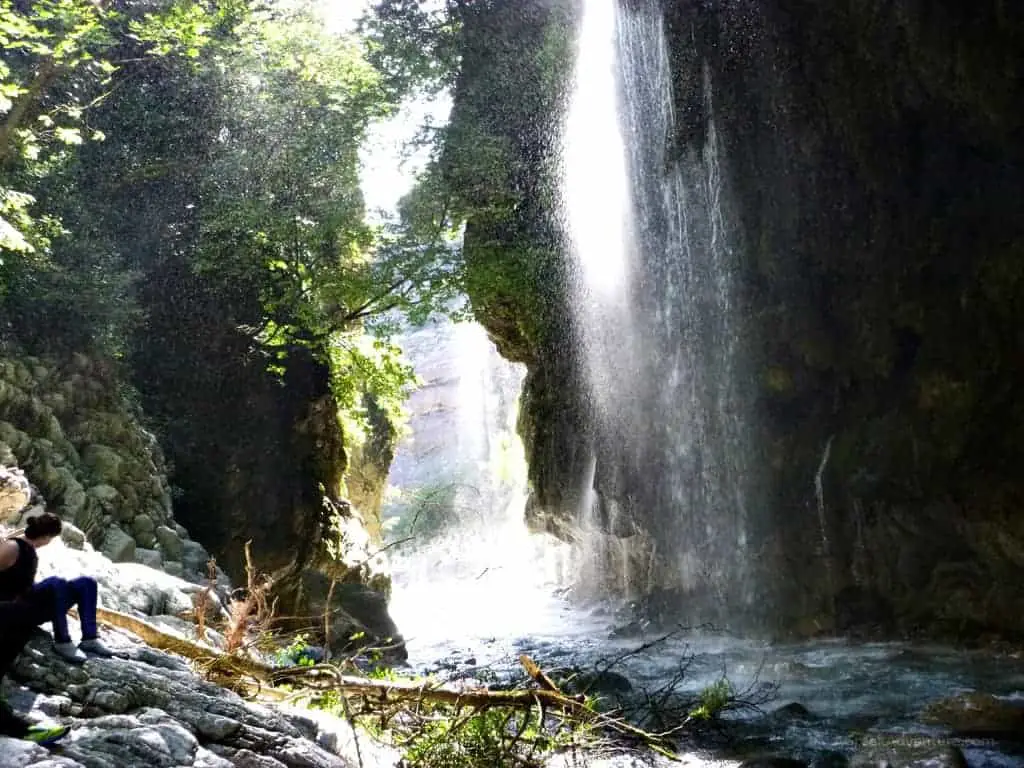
485,575
596,179
598,218
656,319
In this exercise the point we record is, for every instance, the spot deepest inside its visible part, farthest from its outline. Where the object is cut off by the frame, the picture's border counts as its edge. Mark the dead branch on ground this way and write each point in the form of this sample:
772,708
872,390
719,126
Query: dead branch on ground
378,696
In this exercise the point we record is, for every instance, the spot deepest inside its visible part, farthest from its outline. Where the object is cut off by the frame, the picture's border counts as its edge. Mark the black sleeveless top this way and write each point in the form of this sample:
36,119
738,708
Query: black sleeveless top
18,579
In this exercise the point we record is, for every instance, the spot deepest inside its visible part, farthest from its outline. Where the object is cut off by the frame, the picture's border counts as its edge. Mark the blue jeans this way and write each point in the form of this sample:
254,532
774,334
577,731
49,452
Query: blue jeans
53,597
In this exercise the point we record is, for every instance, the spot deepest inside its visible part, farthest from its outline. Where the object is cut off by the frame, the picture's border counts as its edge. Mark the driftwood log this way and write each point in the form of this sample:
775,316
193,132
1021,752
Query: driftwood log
236,667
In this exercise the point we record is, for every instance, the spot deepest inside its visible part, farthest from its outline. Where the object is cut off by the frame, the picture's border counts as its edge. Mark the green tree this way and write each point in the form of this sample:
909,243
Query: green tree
414,44
62,64
58,60
282,215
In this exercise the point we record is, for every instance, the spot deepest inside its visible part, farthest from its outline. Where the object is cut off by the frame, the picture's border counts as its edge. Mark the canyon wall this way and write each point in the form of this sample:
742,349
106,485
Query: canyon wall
871,153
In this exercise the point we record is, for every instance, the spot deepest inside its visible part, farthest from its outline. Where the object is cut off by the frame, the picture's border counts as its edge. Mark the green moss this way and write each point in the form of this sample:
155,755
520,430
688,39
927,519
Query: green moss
777,379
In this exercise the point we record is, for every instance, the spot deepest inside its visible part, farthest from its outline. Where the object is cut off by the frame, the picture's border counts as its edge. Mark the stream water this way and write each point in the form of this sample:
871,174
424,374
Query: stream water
467,618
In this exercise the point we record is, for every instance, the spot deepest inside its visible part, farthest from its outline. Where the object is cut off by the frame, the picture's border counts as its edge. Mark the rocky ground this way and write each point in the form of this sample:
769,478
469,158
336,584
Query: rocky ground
151,709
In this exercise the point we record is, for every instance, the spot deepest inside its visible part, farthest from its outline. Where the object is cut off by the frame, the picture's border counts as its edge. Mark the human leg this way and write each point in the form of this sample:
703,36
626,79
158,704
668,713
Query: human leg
51,599
85,593
17,622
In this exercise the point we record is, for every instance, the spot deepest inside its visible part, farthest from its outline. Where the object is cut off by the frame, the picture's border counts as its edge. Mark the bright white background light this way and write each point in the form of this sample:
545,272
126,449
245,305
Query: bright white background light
597,195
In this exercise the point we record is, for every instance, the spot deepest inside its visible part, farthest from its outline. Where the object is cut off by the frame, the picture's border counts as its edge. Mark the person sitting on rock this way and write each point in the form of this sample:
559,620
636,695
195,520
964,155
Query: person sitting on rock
17,622
51,598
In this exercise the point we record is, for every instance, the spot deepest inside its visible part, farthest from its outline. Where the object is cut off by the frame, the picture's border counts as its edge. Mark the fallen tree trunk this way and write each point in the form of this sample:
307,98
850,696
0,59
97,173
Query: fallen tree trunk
327,677
395,691
212,660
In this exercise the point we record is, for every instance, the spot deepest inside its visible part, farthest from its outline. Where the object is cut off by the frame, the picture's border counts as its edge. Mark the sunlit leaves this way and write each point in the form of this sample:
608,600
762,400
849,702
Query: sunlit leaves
11,238
68,135
283,213
364,365
58,30
182,28
413,44
15,222
57,58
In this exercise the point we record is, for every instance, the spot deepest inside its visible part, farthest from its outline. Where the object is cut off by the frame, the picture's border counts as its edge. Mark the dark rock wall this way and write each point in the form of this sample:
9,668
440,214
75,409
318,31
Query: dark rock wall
873,149
874,157
510,97
259,456
245,445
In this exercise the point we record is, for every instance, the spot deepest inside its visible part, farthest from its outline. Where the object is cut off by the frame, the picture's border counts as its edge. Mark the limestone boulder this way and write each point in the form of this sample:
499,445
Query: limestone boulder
977,714
15,493
152,710
360,617
72,536
150,558
118,545
170,542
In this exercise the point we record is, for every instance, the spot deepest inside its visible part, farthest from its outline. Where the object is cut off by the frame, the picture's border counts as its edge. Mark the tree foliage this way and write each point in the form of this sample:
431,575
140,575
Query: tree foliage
283,213
415,44
215,140
217,143
58,61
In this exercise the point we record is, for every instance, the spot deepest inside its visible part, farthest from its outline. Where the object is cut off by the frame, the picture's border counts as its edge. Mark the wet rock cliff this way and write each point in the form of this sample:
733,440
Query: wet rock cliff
870,153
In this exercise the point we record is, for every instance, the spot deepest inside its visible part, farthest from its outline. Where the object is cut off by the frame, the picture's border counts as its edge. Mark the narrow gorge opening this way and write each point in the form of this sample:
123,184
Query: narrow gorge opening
463,563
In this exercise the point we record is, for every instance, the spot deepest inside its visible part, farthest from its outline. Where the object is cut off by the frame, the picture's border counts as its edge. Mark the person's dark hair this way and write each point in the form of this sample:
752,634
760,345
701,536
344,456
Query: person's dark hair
46,524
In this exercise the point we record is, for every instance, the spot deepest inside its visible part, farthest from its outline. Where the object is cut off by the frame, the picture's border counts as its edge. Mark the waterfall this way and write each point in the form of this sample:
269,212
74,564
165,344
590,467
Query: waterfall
656,315
457,491
819,494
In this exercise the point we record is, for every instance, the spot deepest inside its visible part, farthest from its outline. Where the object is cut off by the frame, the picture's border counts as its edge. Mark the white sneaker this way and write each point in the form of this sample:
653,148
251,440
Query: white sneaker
70,652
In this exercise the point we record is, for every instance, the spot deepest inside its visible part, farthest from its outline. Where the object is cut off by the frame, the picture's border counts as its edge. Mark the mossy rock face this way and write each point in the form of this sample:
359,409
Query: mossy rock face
366,475
103,461
868,151
65,423
519,55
